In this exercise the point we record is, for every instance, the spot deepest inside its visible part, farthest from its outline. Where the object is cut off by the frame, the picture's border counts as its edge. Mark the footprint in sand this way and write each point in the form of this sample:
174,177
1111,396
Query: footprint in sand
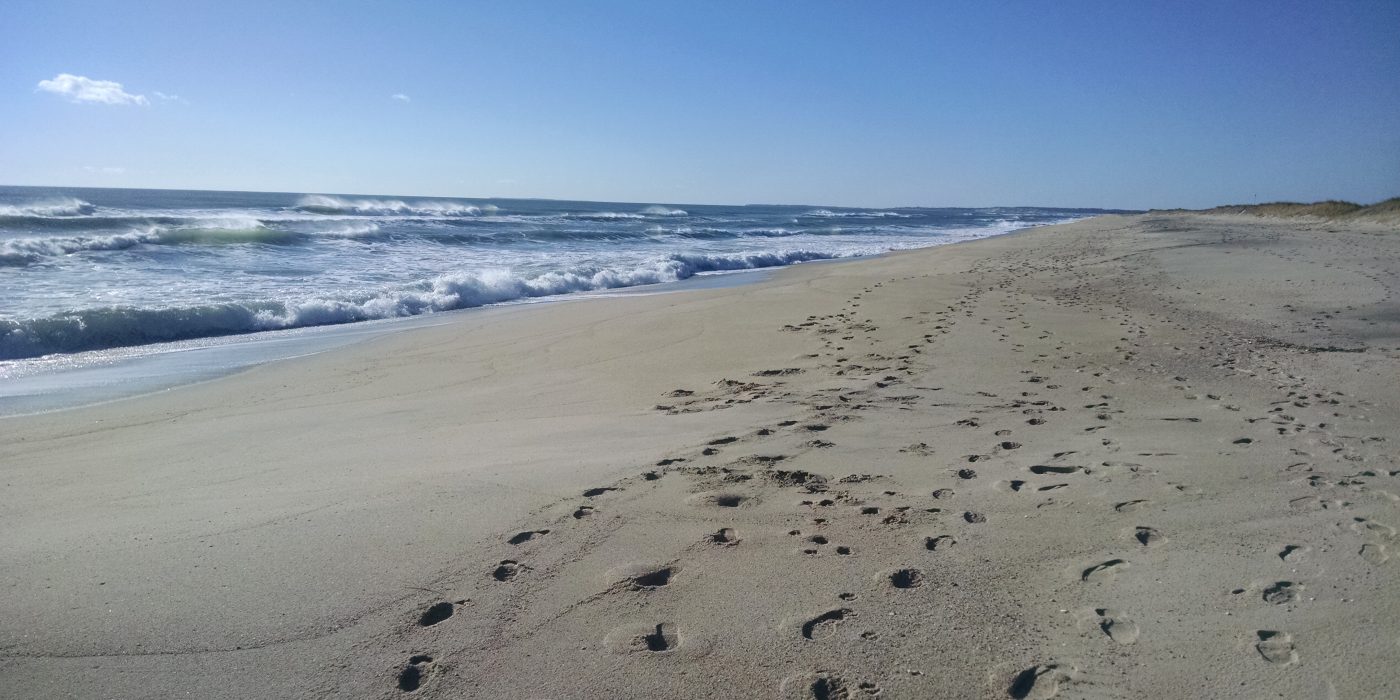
974,517
1039,682
1282,592
653,579
1374,553
662,638
1117,625
1276,647
824,625
593,492
725,536
1106,571
1130,506
1293,552
1149,536
904,578
1055,469
717,499
824,685
507,570
583,512
934,544
526,536
1366,526
437,612
415,673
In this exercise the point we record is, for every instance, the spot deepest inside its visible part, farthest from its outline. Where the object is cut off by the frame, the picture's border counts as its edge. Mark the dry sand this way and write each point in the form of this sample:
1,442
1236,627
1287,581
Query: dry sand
1131,456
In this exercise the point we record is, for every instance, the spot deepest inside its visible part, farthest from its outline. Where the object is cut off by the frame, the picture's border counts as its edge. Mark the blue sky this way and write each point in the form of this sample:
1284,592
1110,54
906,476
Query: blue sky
1113,104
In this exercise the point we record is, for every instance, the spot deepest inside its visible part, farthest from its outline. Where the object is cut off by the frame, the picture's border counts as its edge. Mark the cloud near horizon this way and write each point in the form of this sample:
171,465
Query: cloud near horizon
400,97
77,88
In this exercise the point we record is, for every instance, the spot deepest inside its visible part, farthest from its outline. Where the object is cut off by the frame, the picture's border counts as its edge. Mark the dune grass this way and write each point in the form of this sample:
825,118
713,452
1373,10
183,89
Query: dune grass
1388,210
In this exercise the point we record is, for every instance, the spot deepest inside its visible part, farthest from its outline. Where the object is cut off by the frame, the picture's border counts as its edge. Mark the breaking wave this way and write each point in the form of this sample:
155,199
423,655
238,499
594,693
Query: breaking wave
657,210
829,214
18,252
95,329
327,204
604,215
65,206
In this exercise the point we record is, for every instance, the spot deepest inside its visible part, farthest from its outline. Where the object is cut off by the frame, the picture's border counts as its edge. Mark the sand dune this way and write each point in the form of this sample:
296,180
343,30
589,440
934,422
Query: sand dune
1148,455
1387,211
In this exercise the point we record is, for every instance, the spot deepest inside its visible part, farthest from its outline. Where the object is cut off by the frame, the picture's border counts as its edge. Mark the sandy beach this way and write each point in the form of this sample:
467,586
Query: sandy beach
1128,456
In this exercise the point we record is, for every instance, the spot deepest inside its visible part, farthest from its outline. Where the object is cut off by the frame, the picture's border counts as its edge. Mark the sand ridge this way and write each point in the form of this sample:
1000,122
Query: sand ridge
1125,456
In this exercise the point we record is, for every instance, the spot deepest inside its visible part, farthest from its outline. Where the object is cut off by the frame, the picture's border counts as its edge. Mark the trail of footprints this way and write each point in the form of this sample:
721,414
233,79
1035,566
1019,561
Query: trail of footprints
1060,388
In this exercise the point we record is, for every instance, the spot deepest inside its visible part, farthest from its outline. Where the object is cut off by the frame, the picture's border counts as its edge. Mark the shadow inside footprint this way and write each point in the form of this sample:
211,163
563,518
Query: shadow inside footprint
653,579
1149,536
824,625
663,639
939,542
507,570
1102,571
1117,626
906,578
1054,469
526,536
435,614
1041,681
413,675
1281,593
725,536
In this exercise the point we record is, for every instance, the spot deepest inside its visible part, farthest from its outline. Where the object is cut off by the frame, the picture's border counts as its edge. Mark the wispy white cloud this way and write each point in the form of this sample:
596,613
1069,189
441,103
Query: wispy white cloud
168,98
77,88
400,97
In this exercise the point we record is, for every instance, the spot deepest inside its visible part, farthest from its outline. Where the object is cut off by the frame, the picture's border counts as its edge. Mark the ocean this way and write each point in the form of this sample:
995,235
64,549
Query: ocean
85,270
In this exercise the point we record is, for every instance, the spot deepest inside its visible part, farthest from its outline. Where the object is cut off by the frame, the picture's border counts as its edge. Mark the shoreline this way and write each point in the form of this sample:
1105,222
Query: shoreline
1118,456
98,377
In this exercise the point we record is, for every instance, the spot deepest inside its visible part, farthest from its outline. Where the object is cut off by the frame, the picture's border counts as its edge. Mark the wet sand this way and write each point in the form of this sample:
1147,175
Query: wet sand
1127,456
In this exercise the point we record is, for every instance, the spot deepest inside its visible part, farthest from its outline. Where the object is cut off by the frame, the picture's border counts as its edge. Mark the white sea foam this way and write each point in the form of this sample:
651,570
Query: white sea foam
829,214
350,229
605,215
63,206
658,210
327,204
98,328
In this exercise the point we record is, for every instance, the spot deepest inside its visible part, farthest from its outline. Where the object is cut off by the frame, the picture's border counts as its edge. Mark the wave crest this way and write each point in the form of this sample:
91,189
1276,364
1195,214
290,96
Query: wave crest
604,215
19,252
62,206
658,210
328,204
829,214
